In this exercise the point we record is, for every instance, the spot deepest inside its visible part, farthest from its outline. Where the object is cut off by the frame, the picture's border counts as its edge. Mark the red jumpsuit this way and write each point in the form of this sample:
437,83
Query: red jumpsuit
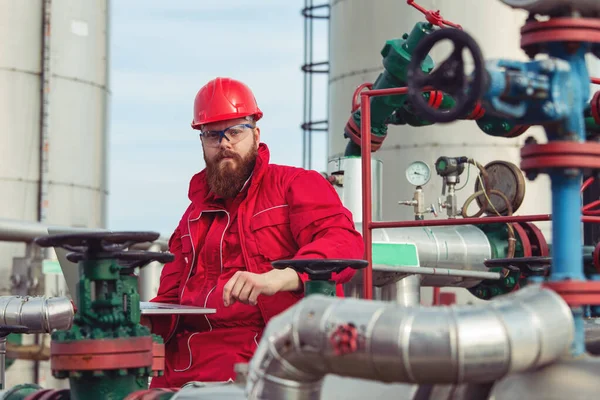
282,213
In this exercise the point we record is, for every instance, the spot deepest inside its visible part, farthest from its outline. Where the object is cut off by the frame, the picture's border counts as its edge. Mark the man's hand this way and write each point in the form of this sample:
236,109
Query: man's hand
245,287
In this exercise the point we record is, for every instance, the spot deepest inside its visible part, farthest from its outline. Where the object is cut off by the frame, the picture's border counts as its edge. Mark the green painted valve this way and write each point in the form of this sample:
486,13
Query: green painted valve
397,55
20,392
107,354
319,272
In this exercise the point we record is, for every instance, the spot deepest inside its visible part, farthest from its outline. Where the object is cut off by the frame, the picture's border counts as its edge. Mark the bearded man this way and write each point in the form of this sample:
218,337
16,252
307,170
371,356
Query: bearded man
244,213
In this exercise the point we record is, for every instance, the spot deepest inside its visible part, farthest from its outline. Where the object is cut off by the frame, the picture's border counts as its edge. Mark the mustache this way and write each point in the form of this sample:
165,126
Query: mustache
227,153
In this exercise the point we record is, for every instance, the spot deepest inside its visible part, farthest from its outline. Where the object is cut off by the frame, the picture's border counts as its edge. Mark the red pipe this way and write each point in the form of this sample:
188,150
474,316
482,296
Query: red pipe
365,137
587,183
473,221
436,296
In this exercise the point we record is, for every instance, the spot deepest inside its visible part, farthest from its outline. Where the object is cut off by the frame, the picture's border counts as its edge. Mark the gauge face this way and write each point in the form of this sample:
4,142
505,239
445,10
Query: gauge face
418,173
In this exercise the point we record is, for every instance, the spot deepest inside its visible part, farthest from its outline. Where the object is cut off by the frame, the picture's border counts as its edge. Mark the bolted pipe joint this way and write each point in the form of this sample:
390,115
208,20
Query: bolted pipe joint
382,341
38,314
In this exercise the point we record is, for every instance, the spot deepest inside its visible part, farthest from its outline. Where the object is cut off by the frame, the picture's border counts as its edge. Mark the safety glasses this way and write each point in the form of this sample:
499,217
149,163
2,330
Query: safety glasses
233,134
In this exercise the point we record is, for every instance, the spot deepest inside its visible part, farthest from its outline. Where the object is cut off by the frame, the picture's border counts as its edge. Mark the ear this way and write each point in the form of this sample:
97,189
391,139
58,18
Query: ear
257,135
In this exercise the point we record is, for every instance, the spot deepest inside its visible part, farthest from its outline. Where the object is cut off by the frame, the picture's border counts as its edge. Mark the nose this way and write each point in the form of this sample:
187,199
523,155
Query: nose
225,144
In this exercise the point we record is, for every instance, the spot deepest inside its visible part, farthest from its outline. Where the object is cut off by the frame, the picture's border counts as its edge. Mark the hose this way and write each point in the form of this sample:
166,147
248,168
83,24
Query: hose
486,192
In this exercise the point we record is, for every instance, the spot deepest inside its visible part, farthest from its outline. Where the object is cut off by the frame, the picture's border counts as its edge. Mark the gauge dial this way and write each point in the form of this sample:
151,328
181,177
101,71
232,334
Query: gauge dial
418,173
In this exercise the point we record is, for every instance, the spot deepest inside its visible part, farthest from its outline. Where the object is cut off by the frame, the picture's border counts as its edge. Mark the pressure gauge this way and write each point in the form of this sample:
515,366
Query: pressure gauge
418,173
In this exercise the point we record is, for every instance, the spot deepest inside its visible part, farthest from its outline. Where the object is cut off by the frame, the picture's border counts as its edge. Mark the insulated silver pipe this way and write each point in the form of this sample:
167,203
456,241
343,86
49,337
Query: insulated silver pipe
38,314
516,332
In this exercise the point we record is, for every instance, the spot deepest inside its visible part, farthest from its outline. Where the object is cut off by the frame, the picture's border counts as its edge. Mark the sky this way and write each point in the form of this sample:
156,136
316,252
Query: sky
161,53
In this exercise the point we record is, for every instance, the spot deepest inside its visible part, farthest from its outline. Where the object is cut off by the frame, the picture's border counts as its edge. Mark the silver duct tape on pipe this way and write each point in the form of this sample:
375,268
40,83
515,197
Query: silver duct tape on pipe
460,247
38,314
512,333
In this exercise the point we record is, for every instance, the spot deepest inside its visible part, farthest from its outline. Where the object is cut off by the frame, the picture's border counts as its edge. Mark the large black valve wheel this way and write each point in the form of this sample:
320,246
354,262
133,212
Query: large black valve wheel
107,245
320,269
449,77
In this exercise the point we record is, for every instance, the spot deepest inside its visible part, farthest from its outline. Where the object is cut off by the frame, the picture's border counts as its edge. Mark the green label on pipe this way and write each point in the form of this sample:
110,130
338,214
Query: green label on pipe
395,254
51,267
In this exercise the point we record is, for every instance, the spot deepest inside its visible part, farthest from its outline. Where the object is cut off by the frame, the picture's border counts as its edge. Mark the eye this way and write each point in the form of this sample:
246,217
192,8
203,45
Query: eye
234,131
211,135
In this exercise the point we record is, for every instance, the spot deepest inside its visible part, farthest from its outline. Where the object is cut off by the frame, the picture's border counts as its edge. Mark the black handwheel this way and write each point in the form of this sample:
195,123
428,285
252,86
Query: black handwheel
530,266
106,245
6,330
319,269
449,77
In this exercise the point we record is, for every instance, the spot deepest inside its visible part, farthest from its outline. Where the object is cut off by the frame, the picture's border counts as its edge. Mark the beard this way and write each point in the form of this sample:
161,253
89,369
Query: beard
227,179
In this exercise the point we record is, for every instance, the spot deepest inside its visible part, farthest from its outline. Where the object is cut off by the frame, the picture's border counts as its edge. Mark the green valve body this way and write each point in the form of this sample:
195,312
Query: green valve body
324,287
397,55
109,308
20,392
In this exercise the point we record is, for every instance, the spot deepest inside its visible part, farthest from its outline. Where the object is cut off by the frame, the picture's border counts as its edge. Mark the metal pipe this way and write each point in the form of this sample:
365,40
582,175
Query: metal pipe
441,271
38,314
25,231
462,247
457,344
405,292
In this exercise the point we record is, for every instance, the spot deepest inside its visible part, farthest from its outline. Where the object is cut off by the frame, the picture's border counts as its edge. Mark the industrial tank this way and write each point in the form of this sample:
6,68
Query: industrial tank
53,123
358,32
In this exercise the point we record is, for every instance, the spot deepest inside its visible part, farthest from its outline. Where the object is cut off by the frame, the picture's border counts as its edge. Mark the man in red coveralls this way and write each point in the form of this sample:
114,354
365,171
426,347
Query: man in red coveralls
244,214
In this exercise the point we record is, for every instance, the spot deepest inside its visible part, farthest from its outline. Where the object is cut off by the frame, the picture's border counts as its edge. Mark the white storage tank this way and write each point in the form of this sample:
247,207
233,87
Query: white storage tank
53,123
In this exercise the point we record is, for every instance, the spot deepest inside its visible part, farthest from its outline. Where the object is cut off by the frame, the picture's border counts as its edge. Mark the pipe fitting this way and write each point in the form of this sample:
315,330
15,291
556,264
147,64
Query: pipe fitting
516,332
38,314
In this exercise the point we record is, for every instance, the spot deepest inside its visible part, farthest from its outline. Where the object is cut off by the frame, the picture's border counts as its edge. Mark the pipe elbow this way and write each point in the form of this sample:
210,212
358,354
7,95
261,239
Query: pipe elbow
39,314
517,332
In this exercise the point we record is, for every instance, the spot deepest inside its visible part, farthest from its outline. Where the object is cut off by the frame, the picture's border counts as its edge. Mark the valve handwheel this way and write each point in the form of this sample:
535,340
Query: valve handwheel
107,245
319,269
449,77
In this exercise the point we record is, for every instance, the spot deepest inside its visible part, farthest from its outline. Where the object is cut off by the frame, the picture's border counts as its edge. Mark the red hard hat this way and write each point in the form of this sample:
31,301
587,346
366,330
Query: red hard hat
222,99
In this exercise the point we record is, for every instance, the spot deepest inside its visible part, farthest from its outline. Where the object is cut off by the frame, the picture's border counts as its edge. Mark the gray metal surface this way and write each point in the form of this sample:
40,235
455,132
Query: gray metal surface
459,344
351,191
572,379
38,314
405,292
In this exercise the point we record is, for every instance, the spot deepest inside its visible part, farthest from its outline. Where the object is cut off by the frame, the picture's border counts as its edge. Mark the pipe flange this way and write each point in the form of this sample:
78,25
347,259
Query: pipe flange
577,293
101,354
539,246
560,155
535,34
595,107
158,358
524,238
477,113
517,131
596,257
